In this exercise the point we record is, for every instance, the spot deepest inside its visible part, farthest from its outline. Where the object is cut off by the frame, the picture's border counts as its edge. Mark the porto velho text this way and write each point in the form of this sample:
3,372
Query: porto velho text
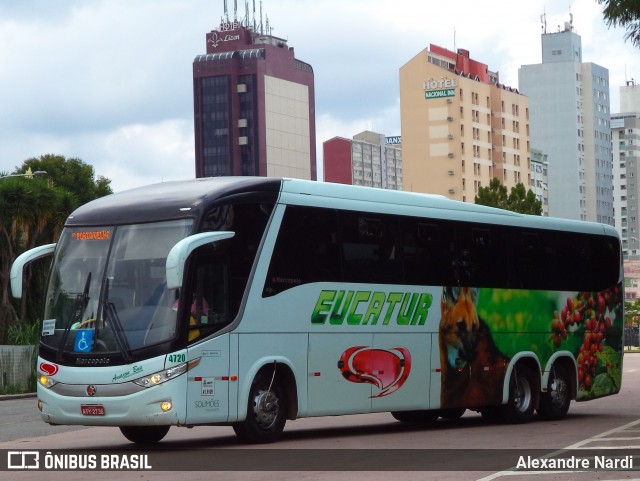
371,308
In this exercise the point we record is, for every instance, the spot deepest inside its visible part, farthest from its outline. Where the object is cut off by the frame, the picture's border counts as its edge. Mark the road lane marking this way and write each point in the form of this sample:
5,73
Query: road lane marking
602,437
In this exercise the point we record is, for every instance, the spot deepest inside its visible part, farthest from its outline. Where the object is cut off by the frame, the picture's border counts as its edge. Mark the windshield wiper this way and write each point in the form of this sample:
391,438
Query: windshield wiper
111,315
79,306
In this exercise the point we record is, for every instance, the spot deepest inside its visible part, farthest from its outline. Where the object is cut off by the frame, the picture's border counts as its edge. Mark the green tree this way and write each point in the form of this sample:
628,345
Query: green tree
631,312
519,199
71,174
523,201
625,13
32,212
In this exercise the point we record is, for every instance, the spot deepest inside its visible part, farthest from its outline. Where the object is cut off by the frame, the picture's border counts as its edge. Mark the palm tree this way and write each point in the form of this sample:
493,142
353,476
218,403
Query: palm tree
32,212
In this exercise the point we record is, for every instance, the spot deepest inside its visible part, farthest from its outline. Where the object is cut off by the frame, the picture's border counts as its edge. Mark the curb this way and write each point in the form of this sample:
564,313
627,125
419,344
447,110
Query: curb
10,397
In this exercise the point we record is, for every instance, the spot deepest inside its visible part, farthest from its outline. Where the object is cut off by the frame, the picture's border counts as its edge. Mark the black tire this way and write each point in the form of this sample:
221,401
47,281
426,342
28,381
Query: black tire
144,434
266,412
416,417
523,392
554,404
452,413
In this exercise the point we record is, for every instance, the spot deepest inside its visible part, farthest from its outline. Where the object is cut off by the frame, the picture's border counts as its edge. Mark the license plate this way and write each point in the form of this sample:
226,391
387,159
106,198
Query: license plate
92,410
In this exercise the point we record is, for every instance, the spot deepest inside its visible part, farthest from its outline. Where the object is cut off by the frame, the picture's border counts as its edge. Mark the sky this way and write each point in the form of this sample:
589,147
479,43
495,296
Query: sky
110,81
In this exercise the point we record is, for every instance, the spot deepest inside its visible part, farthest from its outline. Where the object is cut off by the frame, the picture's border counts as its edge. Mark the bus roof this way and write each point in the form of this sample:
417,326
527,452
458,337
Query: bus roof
170,200
189,198
305,192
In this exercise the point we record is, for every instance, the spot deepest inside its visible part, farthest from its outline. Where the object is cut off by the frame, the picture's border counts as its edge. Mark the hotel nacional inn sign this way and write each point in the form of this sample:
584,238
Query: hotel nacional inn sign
437,89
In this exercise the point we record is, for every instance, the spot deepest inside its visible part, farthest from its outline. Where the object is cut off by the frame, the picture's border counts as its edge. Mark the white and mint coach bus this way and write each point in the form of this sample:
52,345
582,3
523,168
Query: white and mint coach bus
250,301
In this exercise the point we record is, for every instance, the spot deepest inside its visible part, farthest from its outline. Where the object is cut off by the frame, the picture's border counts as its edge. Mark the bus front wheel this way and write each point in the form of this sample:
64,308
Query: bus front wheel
144,434
266,411
554,403
522,395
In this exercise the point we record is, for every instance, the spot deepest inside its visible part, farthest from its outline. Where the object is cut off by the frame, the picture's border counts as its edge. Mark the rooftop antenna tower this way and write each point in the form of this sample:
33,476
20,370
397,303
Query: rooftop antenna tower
254,16
543,19
454,40
261,27
235,10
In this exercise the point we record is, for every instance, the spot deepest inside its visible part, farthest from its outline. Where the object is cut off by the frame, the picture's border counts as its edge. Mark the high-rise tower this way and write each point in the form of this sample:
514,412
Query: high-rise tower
254,108
569,120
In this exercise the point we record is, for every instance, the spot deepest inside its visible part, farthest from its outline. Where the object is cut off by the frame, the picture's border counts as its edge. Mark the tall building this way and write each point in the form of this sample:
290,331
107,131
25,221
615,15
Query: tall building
540,178
254,107
370,159
625,133
569,120
460,126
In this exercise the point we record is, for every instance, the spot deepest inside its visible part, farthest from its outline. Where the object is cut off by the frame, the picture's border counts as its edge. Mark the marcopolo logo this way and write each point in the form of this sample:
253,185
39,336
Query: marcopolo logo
366,307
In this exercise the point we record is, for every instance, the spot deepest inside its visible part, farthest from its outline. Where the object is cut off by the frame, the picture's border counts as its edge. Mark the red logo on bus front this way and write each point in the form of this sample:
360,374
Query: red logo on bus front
48,368
387,369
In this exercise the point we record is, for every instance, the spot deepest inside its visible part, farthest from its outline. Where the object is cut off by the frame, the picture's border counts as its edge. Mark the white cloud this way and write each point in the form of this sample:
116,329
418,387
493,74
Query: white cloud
110,81
140,154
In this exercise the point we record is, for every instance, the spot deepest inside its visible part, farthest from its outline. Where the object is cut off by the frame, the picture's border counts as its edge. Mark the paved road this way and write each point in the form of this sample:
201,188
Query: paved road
600,424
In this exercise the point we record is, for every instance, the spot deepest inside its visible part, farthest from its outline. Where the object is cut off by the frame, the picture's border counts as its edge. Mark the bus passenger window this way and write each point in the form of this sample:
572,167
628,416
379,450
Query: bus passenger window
369,248
306,250
480,259
427,252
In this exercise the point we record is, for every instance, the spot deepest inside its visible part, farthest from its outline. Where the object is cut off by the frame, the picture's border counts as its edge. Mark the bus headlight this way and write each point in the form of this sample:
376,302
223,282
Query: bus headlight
166,375
46,381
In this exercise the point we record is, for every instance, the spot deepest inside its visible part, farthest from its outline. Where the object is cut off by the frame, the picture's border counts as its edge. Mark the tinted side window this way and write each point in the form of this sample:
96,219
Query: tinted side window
427,251
526,253
369,248
565,261
480,255
248,221
306,250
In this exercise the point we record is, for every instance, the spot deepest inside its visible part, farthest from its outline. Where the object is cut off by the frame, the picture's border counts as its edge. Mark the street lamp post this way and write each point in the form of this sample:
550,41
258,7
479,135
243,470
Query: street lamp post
27,174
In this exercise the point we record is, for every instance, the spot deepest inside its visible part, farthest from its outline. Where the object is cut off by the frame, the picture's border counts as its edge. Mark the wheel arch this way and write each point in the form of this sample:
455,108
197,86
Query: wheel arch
284,373
529,359
567,360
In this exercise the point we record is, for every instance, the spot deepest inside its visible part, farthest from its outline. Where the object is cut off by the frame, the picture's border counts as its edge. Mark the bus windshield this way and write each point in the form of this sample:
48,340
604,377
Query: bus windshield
107,291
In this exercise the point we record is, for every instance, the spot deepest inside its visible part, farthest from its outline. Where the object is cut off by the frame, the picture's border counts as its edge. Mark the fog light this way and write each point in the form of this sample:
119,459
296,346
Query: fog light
166,406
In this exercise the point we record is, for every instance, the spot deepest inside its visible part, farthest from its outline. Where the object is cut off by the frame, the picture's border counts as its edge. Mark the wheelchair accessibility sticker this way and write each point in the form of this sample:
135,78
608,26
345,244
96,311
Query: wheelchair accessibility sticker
84,340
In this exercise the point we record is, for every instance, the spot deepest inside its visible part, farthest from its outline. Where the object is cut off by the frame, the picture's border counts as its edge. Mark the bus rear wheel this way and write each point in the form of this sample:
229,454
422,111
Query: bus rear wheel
266,411
522,396
144,434
554,404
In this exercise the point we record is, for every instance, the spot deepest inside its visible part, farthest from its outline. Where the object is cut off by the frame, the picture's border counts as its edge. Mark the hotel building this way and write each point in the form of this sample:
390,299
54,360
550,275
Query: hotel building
460,126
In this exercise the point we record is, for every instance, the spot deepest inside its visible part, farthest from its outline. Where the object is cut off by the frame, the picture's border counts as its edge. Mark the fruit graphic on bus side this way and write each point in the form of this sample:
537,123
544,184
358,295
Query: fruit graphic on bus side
386,369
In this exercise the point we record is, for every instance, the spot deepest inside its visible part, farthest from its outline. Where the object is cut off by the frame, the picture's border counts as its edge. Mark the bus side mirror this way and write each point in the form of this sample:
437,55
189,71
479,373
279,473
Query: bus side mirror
21,261
179,253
